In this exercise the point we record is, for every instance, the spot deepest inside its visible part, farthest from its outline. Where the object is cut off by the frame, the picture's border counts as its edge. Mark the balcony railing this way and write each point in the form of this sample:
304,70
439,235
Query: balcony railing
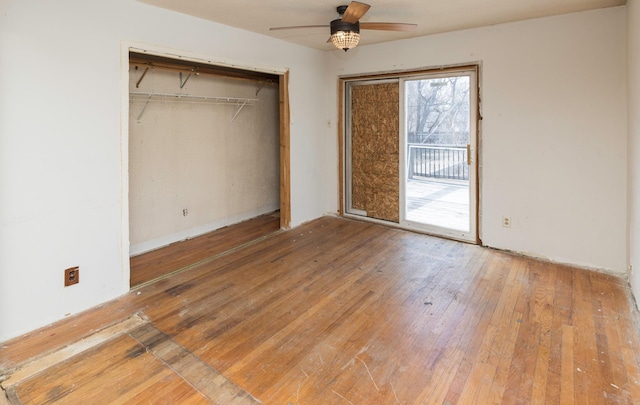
445,162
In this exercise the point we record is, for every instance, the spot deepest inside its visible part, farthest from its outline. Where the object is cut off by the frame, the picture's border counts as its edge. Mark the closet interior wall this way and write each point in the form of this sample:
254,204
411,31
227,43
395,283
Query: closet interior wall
203,154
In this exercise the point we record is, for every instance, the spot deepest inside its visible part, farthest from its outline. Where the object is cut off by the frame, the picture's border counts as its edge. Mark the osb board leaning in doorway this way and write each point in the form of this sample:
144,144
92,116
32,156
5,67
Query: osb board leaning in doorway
374,150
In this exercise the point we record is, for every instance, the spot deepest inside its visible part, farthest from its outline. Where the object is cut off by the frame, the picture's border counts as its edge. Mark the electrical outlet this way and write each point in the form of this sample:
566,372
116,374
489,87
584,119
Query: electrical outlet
185,212
506,222
71,276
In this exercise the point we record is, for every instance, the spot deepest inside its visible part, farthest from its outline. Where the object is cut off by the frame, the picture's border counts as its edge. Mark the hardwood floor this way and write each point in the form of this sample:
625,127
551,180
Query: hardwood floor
161,262
344,312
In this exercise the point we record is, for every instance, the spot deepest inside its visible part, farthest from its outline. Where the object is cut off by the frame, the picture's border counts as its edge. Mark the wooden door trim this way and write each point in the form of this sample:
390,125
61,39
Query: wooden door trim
341,135
285,152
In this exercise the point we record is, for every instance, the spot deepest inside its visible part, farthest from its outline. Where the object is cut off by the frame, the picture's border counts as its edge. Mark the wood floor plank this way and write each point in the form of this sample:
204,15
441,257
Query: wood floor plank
587,370
544,295
567,385
520,376
508,320
562,309
338,311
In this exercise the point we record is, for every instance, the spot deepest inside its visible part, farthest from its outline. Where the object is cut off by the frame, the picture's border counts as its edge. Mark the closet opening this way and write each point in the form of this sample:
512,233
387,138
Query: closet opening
208,161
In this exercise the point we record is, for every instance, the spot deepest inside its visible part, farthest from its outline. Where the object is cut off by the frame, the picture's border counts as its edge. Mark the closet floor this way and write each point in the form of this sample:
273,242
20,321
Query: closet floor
177,256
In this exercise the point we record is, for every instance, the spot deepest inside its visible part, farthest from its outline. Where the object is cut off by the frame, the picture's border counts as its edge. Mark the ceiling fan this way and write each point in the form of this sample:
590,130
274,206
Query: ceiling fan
345,31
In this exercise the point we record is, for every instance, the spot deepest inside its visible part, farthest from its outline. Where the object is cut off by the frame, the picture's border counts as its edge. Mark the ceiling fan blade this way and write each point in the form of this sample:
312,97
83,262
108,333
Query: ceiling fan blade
354,12
384,26
295,27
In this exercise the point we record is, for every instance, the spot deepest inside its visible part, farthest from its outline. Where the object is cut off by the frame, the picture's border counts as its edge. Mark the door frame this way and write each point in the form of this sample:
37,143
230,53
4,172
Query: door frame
285,143
475,154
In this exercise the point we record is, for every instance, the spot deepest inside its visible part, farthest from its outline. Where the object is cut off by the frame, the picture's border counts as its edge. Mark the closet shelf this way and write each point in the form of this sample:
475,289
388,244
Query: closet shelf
167,97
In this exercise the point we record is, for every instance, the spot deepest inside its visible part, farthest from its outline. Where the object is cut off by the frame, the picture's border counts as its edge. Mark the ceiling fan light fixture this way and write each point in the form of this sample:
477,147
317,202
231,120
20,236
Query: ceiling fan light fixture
345,40
344,35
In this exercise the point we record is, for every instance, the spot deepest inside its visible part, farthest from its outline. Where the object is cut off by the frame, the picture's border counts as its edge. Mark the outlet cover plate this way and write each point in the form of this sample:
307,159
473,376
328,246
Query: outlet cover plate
71,276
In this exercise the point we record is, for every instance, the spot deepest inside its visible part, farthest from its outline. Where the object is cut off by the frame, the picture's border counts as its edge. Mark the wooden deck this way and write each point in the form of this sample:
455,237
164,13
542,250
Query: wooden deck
344,312
443,203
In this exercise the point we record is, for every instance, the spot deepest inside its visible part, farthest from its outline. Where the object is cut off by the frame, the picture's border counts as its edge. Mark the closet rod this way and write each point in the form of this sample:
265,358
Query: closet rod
230,100
239,102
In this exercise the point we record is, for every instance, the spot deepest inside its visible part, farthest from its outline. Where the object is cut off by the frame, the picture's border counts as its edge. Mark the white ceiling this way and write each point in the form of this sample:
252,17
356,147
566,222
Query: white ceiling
432,16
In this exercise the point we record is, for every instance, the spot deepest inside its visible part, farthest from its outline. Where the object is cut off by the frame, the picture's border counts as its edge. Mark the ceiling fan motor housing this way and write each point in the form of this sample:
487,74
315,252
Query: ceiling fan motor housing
339,25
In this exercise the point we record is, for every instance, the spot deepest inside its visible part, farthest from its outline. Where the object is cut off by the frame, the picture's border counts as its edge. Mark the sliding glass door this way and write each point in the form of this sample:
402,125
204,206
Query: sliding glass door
410,147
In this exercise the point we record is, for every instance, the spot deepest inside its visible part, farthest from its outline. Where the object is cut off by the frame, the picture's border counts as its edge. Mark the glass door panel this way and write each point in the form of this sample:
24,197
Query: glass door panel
438,188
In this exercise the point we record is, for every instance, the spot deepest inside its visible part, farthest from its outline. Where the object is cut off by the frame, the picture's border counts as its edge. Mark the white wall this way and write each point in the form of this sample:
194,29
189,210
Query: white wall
633,70
63,199
220,162
553,141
